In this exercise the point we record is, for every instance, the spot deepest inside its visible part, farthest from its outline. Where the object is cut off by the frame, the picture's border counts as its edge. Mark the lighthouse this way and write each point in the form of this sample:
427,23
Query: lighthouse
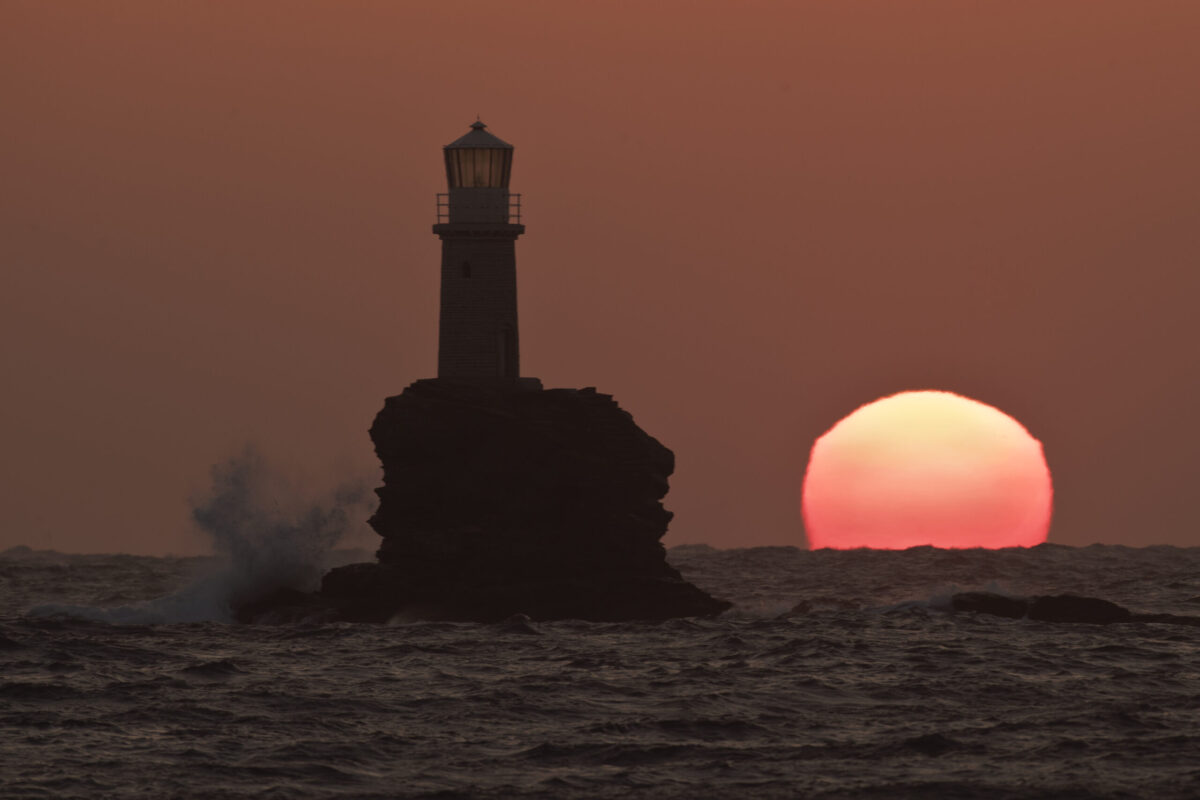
479,221
499,496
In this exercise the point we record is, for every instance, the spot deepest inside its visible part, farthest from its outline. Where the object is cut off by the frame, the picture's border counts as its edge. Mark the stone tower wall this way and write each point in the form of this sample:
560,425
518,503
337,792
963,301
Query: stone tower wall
478,332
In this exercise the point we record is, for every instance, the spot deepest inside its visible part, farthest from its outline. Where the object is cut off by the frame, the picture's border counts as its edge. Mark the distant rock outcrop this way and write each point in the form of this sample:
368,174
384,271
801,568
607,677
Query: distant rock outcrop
500,500
1059,608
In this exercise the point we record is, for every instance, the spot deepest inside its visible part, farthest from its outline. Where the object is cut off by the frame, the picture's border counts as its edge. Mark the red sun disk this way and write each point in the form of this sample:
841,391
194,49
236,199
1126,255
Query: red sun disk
927,468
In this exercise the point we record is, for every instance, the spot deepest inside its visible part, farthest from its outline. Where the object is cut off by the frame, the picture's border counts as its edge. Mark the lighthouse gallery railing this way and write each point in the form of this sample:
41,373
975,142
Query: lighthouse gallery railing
443,208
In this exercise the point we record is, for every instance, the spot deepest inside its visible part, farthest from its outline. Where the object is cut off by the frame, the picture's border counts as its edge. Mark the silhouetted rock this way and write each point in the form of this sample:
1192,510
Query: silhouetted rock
1070,608
500,499
285,605
1059,608
989,603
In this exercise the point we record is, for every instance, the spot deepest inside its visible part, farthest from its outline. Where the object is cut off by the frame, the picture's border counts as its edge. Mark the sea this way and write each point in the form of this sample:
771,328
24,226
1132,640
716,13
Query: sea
837,674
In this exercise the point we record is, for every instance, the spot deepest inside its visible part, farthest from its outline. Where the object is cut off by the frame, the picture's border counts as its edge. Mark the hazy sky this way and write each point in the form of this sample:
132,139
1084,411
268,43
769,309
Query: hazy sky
745,220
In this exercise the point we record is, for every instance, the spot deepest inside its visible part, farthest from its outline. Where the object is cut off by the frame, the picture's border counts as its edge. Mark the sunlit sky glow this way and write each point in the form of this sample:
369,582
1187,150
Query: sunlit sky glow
743,221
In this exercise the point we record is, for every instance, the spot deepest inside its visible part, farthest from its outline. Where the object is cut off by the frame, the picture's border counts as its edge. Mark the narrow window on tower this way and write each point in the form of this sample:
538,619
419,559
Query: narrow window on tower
508,352
466,269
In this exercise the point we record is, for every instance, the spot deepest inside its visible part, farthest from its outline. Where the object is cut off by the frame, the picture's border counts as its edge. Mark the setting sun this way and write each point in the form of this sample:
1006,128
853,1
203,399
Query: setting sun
927,468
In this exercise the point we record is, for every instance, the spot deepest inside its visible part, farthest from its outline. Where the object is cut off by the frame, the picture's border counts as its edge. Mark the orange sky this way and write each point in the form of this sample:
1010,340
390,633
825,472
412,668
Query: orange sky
745,220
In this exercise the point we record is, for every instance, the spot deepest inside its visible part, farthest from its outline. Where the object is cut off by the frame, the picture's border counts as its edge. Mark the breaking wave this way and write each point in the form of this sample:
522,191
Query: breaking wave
267,533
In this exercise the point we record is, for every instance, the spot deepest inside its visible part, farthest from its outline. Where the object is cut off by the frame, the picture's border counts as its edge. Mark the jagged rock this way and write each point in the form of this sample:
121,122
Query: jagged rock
500,500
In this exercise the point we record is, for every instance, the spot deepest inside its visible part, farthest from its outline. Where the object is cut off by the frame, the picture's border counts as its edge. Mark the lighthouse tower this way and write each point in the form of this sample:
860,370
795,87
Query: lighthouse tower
478,223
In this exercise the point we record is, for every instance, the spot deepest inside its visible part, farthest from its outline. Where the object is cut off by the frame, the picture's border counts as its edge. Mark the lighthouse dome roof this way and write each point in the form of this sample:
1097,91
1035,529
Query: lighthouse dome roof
479,137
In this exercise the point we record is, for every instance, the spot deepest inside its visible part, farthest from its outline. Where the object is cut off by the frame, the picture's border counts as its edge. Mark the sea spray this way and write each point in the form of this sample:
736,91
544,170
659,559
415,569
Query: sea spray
270,534
268,531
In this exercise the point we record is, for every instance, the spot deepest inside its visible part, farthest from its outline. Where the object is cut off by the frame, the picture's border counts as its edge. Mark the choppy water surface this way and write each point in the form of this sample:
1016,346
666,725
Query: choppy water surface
870,688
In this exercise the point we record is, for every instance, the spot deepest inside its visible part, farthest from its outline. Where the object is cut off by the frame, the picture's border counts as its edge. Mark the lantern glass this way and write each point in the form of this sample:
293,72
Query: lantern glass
478,167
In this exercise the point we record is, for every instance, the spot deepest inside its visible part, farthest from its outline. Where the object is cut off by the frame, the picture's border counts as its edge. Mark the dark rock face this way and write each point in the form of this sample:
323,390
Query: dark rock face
285,606
1046,608
499,501
1059,608
1070,608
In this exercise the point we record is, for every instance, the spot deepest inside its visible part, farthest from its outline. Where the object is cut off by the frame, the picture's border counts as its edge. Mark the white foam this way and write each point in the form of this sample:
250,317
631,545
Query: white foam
269,534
